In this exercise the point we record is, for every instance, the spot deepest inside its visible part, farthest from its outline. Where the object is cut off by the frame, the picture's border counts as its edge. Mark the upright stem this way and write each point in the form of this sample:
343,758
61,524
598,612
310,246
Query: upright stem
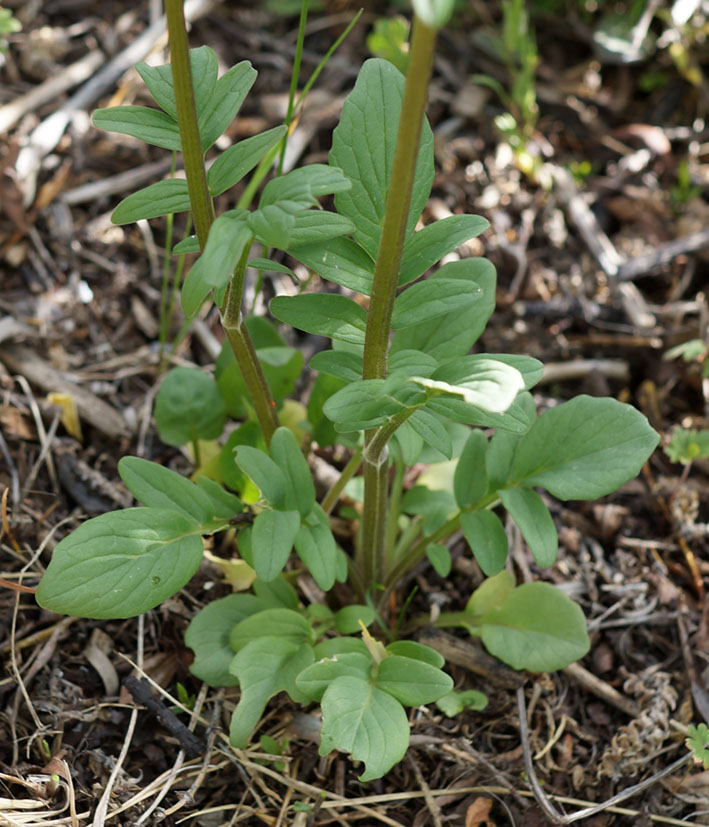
195,172
203,214
371,552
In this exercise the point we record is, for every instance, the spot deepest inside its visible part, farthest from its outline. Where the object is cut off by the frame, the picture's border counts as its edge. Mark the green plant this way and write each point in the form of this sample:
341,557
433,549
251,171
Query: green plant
8,25
517,49
698,743
683,191
421,397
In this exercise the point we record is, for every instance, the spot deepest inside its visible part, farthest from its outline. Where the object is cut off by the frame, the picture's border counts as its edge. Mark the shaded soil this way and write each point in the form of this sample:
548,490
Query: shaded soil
584,284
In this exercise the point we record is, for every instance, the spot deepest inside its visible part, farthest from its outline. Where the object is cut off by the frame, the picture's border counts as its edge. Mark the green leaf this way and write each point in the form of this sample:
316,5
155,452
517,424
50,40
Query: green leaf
162,198
121,564
698,742
282,367
247,434
325,314
315,679
584,449
341,363
231,166
518,418
470,480
537,628
229,93
208,636
224,504
322,430
264,264
194,289
430,428
159,487
454,333
454,702
272,539
264,668
416,651
440,558
535,522
412,363
283,624
363,147
188,407
272,226
264,472
286,453
485,383
335,646
429,245
316,547
371,402
158,79
491,594
317,227
149,125
276,594
426,300
190,244
366,722
687,445
301,187
436,505
499,458
341,261
228,237
487,540
412,682
347,619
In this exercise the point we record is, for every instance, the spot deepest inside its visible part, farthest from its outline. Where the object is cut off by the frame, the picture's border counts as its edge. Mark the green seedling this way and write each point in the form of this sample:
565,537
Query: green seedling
516,47
398,387
698,743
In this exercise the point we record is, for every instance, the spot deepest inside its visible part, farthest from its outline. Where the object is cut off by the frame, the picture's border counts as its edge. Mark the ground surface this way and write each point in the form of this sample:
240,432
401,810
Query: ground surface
79,301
